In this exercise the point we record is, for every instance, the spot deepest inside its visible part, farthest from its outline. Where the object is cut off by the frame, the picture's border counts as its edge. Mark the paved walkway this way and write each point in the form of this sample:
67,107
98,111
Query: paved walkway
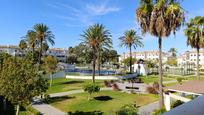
147,109
47,109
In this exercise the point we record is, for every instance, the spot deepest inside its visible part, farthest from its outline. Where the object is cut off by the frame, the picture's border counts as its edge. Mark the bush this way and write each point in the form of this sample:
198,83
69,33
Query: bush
158,111
130,109
46,98
32,110
107,84
179,80
91,88
115,87
154,88
176,103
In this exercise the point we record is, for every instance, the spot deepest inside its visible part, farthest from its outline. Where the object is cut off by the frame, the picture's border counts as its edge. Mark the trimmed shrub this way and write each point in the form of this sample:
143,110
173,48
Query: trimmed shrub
115,87
179,80
107,84
154,88
129,109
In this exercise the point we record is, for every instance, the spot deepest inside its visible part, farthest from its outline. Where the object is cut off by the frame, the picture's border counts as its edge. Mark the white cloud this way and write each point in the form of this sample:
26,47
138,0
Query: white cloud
81,15
100,9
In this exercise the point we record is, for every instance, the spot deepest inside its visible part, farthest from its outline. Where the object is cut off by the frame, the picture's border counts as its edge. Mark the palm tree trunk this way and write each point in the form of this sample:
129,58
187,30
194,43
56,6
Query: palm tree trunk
33,53
40,53
130,59
94,65
99,64
161,98
197,65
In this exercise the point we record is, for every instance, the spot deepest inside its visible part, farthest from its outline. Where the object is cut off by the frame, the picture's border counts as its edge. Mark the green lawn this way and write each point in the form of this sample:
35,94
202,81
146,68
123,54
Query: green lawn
63,84
153,78
79,102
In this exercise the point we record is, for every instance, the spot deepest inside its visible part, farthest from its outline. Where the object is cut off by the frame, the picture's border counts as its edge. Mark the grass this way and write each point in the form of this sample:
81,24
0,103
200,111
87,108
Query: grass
79,102
63,84
153,78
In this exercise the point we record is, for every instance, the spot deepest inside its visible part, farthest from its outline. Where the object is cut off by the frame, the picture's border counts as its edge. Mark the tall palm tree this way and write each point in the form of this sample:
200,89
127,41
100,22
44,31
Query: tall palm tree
90,39
104,41
32,41
131,38
195,39
43,34
160,18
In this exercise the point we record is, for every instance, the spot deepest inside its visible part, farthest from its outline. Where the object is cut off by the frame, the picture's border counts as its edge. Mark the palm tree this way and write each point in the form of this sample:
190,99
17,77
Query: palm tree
131,38
173,51
32,41
194,33
90,39
23,44
104,41
43,34
160,18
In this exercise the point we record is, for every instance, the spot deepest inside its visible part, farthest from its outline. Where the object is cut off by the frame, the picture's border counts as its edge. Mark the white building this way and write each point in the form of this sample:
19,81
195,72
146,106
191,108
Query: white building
59,53
11,50
145,55
191,57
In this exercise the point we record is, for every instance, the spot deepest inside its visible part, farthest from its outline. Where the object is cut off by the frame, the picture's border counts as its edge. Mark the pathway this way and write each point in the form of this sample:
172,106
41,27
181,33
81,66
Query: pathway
47,109
147,109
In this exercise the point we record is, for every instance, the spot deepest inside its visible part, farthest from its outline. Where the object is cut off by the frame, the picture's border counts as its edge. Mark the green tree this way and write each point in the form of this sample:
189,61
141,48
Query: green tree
194,33
127,61
171,62
129,40
23,45
104,42
50,64
32,41
90,39
173,51
91,88
21,81
43,35
160,18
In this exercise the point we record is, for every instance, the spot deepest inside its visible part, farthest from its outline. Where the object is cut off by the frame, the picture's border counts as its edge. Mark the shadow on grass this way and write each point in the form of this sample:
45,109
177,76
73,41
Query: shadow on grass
57,99
103,98
85,113
72,82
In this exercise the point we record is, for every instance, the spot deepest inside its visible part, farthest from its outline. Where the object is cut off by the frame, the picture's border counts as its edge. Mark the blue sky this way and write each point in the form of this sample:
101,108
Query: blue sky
68,18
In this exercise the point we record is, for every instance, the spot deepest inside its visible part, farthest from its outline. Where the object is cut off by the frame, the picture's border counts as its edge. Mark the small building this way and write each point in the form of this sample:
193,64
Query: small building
179,92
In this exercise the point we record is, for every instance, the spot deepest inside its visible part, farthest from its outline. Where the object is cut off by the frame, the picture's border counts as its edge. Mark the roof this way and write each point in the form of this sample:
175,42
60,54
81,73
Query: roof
194,107
194,86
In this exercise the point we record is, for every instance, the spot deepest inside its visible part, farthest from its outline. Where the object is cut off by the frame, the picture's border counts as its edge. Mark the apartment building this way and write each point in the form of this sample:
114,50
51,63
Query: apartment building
11,50
59,53
145,55
191,57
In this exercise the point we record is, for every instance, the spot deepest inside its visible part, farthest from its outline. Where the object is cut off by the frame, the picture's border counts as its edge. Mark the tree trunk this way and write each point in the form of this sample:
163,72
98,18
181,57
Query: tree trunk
161,98
130,59
17,109
99,64
50,79
40,53
197,65
33,53
94,65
